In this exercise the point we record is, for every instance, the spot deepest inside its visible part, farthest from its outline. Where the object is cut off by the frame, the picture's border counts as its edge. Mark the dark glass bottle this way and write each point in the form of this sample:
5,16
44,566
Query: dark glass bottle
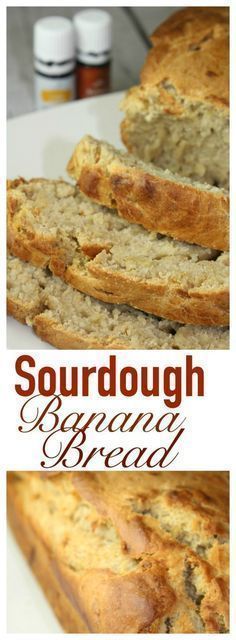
93,50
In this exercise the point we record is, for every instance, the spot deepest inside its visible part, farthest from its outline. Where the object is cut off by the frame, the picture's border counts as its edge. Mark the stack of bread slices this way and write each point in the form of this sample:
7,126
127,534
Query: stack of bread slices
131,255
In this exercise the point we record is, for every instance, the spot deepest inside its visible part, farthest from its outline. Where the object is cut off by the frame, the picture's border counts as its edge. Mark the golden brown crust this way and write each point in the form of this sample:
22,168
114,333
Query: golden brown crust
39,559
174,524
208,308
73,602
85,605
56,334
174,208
18,310
191,50
178,116
194,306
160,205
43,313
182,492
136,600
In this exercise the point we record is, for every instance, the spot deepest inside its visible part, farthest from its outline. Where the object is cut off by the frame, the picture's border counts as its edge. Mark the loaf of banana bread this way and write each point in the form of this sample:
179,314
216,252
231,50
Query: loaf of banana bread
127,552
178,116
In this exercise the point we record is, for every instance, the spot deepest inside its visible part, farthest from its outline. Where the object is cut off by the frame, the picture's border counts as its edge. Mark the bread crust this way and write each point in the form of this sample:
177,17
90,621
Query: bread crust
173,208
193,306
55,333
184,47
179,65
161,585
83,605
40,561
184,91
20,311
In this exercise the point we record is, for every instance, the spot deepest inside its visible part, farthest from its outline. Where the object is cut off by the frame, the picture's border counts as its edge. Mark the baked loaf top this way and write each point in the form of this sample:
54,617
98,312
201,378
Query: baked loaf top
69,319
155,198
133,552
191,54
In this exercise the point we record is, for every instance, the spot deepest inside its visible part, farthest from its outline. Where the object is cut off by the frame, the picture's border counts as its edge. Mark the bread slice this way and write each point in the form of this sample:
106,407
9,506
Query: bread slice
178,117
155,198
50,223
69,319
127,552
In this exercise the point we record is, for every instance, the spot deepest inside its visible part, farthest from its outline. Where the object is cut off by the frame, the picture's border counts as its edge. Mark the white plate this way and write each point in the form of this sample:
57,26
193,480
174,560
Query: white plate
40,145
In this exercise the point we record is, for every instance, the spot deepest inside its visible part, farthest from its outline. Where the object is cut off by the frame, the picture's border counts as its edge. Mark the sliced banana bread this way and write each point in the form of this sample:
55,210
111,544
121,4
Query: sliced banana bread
50,223
69,319
127,552
155,198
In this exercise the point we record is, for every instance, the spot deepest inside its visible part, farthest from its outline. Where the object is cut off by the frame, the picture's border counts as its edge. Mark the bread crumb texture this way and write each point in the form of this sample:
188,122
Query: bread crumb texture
156,198
70,319
178,117
51,224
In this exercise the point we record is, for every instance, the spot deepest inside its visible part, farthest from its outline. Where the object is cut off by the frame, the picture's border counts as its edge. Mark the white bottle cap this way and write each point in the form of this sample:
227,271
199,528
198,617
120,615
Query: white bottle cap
54,40
93,32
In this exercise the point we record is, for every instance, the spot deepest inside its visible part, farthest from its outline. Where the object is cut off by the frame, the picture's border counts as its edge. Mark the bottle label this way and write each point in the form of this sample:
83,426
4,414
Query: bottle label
52,91
56,95
92,81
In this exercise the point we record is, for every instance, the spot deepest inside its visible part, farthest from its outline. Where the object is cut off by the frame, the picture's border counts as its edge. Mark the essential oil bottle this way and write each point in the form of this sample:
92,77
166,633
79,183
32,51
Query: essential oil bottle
54,61
93,37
